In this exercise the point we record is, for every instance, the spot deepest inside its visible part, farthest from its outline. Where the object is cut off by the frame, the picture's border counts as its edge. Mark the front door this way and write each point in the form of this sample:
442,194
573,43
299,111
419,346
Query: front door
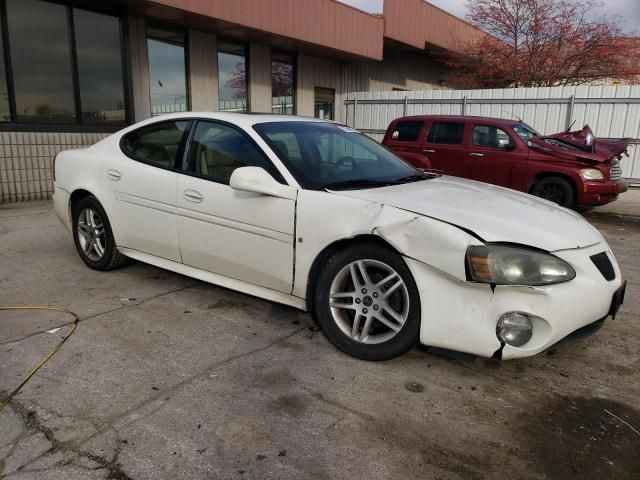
143,181
241,235
494,156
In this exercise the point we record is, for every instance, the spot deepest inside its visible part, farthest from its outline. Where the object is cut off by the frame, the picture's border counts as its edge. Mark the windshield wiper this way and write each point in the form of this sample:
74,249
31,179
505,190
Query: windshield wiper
416,177
357,183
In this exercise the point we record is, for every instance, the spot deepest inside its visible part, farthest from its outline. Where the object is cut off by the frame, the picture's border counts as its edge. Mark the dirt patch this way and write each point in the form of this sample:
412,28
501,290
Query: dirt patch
573,437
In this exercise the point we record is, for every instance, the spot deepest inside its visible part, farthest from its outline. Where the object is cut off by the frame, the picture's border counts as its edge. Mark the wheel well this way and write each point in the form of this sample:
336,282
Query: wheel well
76,196
324,255
542,175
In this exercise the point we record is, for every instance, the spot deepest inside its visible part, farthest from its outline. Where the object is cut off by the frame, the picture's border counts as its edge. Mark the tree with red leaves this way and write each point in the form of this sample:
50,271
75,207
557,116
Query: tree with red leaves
533,43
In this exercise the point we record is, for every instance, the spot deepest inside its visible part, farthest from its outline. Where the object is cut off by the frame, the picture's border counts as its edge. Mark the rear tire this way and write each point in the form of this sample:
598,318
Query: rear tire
367,303
555,189
93,236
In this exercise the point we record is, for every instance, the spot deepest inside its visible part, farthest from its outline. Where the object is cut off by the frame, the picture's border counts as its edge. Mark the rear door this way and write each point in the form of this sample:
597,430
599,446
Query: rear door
406,139
143,181
494,155
445,147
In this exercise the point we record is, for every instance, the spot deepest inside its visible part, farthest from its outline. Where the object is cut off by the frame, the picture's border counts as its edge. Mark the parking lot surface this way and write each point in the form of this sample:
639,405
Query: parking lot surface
167,377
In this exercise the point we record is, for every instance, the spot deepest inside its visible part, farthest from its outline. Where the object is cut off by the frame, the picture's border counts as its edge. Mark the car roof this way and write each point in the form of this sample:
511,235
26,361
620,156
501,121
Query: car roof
458,118
241,119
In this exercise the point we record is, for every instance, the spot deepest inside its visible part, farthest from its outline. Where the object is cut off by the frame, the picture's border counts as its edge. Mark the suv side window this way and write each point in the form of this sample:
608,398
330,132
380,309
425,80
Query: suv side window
494,137
446,132
217,150
156,144
407,131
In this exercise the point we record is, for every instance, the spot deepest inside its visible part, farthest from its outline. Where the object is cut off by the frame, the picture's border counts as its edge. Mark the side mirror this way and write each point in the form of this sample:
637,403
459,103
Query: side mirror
258,180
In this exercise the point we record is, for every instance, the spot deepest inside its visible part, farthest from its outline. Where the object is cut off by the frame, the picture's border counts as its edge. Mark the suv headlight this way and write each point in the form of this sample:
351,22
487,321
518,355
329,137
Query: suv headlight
591,174
506,265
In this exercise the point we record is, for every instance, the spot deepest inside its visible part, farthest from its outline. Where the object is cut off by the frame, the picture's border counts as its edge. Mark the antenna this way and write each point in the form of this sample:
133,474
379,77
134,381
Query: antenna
569,127
515,116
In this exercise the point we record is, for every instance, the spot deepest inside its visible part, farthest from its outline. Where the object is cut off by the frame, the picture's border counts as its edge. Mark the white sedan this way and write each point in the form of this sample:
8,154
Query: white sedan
315,215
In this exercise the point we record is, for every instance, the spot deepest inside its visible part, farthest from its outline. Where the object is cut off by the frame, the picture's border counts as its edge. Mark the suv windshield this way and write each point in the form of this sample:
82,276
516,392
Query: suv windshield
327,155
524,131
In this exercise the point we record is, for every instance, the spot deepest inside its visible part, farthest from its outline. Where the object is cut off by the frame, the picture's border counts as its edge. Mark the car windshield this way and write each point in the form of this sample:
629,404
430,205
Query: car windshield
524,131
331,156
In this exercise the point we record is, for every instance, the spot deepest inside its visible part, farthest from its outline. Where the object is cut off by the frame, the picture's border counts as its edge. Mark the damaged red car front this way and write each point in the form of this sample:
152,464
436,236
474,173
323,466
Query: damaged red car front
600,180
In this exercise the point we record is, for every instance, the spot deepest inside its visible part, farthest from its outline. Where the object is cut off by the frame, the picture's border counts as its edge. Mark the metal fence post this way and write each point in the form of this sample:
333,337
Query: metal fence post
406,104
569,121
355,111
464,105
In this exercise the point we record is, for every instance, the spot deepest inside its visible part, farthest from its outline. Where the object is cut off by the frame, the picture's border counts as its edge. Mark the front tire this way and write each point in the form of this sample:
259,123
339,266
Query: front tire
93,237
367,302
555,189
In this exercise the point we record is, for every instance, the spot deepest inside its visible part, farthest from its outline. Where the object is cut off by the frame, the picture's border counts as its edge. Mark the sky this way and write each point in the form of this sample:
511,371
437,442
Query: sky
628,10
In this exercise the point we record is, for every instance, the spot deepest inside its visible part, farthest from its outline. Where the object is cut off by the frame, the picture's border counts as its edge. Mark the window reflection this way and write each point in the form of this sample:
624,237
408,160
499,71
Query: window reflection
282,84
167,73
5,113
232,77
99,67
41,61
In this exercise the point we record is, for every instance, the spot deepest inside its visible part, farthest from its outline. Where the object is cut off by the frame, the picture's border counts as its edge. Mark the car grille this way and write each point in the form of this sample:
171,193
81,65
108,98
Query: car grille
604,265
616,170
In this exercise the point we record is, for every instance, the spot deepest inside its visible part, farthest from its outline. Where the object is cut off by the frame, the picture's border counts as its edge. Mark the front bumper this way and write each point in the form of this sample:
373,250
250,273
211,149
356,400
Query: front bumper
601,193
462,316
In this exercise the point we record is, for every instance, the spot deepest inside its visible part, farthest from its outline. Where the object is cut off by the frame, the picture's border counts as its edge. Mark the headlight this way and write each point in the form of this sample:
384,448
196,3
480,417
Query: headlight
506,265
591,174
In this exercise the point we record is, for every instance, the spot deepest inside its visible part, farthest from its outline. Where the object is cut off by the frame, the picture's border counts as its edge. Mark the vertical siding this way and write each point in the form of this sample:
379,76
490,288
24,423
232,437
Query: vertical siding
203,71
398,70
139,68
612,112
26,161
259,78
317,72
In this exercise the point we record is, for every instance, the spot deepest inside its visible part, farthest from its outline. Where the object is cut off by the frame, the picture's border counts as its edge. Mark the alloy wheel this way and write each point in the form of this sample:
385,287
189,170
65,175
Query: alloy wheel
369,301
91,234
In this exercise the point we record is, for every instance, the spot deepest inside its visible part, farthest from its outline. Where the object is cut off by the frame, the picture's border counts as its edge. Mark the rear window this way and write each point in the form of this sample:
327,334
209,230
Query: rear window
157,144
407,131
446,132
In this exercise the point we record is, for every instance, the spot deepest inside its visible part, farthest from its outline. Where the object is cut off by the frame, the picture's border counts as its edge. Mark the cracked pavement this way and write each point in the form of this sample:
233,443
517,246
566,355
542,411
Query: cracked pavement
168,377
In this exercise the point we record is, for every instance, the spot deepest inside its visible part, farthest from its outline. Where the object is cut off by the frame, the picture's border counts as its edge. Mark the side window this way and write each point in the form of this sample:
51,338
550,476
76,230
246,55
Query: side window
218,149
446,132
485,136
157,144
408,131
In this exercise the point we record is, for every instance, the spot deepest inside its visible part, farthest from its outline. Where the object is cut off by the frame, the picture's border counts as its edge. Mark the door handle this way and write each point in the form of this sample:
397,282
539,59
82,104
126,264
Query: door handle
476,154
192,196
429,150
113,175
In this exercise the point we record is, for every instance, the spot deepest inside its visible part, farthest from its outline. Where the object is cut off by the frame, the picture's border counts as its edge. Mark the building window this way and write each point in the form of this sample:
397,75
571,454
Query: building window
100,74
61,65
41,62
282,84
323,104
167,71
232,77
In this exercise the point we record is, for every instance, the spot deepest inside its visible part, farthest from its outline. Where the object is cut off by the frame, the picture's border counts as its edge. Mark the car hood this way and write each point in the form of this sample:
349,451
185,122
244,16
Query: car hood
494,214
571,146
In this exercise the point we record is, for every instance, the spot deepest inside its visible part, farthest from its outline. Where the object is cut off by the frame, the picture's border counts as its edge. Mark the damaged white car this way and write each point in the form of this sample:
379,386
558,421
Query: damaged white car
315,215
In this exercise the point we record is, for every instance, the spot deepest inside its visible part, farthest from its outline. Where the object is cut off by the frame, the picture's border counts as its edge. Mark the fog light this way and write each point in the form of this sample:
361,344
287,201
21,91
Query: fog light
514,329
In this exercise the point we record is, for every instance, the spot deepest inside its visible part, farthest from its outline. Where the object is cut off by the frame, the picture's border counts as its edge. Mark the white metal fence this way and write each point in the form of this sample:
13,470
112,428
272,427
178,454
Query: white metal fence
611,112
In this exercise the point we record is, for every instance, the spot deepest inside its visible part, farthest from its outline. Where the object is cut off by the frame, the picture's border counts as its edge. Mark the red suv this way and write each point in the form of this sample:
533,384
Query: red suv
570,168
